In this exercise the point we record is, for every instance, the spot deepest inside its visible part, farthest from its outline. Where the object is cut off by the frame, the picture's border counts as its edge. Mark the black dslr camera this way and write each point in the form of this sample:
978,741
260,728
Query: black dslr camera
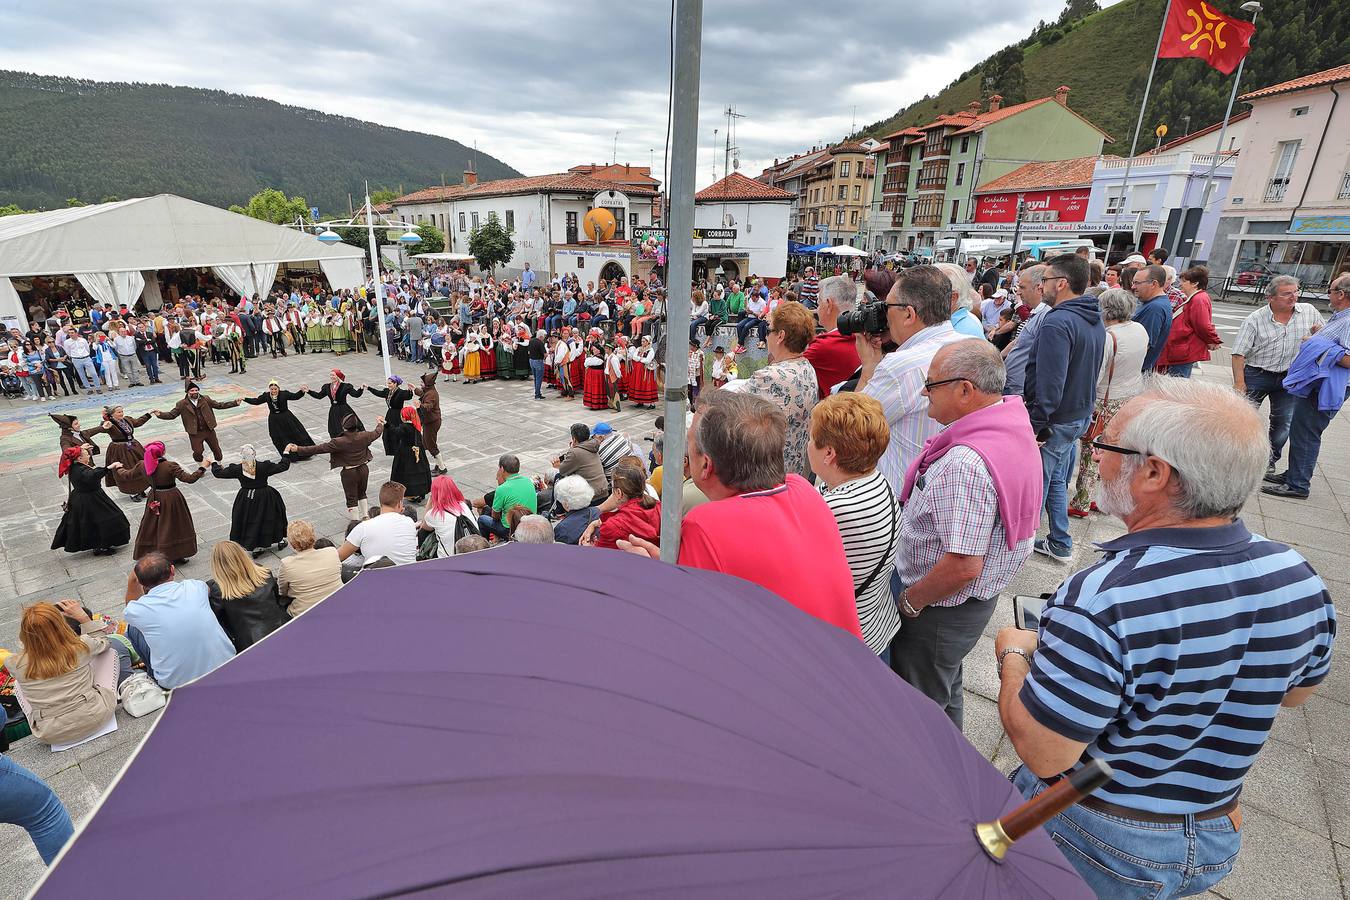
868,317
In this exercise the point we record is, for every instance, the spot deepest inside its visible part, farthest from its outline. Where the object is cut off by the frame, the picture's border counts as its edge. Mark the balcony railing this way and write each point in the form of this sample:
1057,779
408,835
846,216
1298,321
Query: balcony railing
933,221
1344,192
898,218
1275,190
899,155
931,184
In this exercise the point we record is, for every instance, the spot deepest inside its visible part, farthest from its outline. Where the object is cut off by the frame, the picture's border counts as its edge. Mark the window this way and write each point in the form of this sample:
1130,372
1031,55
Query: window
461,221
843,192
853,218
960,171
510,220
965,143
632,221
857,192
839,219
1284,167
1141,197
571,227
1299,111
956,204
617,213
473,220
1344,192
843,169
1114,203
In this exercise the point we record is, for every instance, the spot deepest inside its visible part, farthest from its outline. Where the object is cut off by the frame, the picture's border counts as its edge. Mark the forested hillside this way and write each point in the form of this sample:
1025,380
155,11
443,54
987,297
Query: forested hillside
1104,56
63,138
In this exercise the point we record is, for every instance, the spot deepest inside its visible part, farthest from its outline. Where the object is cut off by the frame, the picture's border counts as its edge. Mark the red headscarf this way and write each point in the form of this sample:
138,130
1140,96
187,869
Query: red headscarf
68,456
154,452
338,373
410,415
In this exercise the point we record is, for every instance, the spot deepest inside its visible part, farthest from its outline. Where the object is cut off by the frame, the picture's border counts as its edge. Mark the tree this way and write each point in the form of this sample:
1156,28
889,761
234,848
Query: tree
75,201
433,239
491,244
383,195
14,209
271,205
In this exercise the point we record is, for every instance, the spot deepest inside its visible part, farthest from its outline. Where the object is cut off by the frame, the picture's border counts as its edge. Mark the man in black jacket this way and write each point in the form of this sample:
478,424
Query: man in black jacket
1061,387
537,351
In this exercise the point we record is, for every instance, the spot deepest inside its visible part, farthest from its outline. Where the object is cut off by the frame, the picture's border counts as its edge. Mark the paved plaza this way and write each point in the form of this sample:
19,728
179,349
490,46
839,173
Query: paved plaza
1296,803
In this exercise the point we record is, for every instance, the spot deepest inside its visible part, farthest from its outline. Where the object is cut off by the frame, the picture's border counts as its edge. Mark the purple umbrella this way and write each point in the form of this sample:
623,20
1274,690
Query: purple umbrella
557,722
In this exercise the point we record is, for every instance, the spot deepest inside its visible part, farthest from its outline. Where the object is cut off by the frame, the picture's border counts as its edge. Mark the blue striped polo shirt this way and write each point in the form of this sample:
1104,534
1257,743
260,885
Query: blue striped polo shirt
1170,656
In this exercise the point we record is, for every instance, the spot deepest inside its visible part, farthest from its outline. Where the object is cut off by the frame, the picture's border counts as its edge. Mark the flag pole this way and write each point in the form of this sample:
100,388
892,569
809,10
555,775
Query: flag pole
1223,131
1139,125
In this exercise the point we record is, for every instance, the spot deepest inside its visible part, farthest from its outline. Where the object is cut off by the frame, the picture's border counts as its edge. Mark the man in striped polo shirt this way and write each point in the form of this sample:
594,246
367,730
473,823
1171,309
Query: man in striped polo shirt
1169,658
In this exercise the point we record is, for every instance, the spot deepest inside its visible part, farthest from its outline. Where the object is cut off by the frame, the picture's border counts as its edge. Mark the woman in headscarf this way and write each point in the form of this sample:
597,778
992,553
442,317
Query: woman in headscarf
167,524
429,408
73,436
487,356
396,395
91,520
282,425
410,467
336,391
125,449
473,363
594,396
258,517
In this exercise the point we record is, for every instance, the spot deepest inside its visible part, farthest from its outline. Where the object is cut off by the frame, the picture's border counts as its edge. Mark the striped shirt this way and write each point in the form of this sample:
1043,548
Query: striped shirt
867,513
898,385
954,509
1170,657
1266,344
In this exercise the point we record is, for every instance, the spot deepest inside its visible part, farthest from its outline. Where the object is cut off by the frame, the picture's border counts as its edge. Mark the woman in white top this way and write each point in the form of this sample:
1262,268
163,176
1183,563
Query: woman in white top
848,435
444,509
1120,379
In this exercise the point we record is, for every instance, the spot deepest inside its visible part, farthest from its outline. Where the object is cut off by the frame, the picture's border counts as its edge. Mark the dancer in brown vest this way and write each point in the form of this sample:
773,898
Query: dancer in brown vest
199,420
430,411
349,452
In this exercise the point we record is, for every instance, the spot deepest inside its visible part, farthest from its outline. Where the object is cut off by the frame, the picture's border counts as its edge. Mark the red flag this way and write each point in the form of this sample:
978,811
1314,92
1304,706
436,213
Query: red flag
1194,28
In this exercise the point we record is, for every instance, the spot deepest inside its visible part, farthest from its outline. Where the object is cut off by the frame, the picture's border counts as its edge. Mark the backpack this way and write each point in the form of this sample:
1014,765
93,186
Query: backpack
465,526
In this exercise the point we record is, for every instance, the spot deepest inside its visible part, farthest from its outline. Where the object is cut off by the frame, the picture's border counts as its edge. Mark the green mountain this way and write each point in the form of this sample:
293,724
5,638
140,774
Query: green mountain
64,138
1104,57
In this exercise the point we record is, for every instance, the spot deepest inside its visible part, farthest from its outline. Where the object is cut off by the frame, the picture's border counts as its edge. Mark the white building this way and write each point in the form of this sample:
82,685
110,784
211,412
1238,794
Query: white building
544,214
741,228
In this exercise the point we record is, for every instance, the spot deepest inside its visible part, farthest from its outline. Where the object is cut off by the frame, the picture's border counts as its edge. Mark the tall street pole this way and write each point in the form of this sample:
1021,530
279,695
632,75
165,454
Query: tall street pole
688,48
379,282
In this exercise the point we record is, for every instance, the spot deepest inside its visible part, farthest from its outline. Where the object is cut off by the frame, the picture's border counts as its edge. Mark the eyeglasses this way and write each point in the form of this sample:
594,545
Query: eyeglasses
910,305
1053,278
929,385
1099,444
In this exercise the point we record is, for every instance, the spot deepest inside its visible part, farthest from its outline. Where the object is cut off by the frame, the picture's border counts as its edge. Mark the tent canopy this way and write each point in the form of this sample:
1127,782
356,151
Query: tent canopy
446,257
843,250
160,232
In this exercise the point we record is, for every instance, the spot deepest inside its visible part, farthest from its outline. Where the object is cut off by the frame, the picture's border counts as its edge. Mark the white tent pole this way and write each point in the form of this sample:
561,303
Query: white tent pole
379,282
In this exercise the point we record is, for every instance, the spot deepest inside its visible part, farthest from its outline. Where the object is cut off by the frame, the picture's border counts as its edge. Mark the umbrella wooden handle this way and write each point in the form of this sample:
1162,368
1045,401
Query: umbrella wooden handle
997,836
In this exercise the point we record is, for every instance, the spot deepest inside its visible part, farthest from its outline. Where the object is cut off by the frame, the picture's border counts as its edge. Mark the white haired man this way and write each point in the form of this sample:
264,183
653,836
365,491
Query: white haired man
833,355
1170,657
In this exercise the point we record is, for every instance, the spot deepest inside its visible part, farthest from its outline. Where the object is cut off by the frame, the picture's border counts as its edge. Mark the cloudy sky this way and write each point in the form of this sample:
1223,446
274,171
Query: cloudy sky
540,84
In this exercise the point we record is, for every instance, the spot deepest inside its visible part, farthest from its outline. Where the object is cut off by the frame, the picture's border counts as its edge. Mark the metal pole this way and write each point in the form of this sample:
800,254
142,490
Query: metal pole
688,48
1138,126
379,282
1017,233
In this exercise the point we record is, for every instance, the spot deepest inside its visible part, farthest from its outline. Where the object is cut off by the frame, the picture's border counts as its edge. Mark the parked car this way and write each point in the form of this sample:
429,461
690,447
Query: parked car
1254,274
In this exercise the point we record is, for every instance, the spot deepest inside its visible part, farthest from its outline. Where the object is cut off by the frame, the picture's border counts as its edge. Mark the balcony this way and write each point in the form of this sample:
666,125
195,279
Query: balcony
1275,190
898,218
897,156
934,221
933,183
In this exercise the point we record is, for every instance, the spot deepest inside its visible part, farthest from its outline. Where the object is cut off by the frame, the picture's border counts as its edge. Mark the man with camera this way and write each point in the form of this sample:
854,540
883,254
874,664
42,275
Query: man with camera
915,316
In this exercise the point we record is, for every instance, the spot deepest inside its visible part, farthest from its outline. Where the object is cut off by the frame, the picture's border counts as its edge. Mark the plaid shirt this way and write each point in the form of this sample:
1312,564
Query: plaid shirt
954,509
1266,344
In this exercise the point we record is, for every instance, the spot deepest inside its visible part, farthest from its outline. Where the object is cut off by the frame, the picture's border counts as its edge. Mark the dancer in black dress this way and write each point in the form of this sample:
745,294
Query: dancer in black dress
282,425
396,395
125,449
91,520
410,467
337,390
258,518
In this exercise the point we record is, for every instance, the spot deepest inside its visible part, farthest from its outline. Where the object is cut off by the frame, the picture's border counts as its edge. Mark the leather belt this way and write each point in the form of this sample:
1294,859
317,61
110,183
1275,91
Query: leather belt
1139,815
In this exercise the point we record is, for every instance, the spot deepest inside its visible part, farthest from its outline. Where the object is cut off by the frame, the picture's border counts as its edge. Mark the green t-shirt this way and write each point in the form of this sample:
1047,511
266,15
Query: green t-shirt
736,303
515,489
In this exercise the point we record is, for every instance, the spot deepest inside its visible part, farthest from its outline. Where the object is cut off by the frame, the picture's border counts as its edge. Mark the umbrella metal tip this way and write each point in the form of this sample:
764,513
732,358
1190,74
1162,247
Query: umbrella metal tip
993,839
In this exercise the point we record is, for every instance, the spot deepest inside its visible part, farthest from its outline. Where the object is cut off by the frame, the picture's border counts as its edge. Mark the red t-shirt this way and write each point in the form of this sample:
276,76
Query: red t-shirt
628,519
834,357
784,539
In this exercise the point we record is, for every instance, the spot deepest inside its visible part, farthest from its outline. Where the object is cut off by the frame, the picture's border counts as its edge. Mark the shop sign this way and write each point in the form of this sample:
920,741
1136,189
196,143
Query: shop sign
1320,225
1062,205
714,234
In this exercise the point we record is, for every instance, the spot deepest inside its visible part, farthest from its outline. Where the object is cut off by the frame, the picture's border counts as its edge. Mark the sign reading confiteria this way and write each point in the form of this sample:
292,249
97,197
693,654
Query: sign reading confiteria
1058,205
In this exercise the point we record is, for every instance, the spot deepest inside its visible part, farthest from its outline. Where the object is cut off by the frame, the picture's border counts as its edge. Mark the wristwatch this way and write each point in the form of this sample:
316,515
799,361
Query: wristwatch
905,608
1017,650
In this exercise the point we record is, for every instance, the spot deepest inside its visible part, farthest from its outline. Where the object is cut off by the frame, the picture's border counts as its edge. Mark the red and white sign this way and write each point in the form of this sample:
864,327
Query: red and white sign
1058,205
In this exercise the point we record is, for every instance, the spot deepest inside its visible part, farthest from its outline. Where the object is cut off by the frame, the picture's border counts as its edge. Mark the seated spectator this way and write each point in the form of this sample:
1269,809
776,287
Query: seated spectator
1170,657
59,687
471,544
582,457
312,574
29,803
735,453
614,446
512,488
848,436
448,514
533,529
971,505
391,534
183,639
574,494
630,511
243,596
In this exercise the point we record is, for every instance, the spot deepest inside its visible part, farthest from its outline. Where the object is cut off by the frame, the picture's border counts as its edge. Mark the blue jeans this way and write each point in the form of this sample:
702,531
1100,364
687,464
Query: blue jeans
695,324
1058,458
1262,384
488,525
744,325
26,801
85,371
537,370
1182,370
1124,858
1306,427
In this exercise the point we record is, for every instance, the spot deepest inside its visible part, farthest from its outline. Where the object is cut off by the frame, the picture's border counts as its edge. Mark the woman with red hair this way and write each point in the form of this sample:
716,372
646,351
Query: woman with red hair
91,520
449,515
411,467
167,524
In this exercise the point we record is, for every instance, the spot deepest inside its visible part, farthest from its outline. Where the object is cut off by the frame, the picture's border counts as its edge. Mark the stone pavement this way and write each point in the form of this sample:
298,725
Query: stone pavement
1296,802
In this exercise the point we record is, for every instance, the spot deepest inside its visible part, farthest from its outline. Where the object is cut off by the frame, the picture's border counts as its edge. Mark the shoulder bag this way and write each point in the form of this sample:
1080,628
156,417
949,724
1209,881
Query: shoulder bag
1100,418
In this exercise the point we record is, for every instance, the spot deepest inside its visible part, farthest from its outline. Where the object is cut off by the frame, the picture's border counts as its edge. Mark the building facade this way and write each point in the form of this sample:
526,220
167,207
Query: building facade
1288,208
741,229
833,190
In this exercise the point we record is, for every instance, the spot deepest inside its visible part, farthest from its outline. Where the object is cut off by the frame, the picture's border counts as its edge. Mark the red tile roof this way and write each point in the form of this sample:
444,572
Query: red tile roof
904,132
1317,79
1035,176
562,182
621,172
737,187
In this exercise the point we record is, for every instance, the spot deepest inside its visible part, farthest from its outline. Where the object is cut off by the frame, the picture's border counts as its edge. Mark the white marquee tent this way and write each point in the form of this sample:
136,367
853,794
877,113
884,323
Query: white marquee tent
111,247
